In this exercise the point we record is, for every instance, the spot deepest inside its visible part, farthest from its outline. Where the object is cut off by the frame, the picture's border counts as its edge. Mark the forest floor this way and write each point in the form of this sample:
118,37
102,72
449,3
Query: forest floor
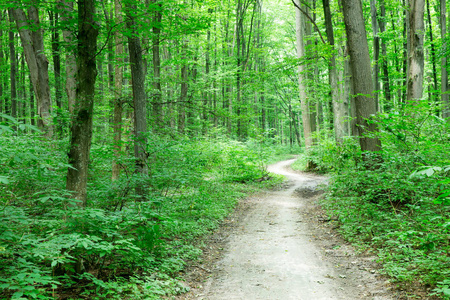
281,245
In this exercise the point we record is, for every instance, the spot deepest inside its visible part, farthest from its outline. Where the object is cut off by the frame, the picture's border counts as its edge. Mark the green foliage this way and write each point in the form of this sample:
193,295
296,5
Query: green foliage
116,247
400,209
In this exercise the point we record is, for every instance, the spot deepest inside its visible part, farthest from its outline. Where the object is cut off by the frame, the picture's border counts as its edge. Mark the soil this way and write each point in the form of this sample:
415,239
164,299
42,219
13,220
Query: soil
281,245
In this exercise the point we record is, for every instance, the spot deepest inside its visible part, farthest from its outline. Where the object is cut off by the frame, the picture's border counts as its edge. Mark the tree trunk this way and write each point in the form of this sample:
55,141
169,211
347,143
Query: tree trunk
444,74
304,103
384,63
365,104
339,103
433,100
13,69
376,50
32,110
81,129
33,47
139,100
71,64
118,102
416,51
405,52
53,16
239,24
2,65
183,90
157,92
56,58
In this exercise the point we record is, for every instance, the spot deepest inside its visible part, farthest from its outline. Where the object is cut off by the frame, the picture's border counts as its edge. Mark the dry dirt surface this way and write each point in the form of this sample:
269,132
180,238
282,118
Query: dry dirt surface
280,245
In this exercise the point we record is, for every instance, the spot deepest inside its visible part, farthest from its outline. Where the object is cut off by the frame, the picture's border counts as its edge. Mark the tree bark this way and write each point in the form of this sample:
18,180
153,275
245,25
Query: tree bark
2,64
70,41
139,100
157,92
432,90
33,47
118,102
365,104
81,129
304,103
13,69
339,102
56,57
416,51
444,74
376,50
384,63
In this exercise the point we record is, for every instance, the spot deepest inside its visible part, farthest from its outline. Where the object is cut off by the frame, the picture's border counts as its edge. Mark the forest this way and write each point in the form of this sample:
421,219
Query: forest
130,129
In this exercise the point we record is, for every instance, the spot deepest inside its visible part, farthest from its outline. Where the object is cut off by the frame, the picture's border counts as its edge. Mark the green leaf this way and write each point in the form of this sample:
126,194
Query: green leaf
4,179
5,129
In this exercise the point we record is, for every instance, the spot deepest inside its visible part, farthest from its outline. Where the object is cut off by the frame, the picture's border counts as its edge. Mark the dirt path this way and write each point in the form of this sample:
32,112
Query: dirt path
280,248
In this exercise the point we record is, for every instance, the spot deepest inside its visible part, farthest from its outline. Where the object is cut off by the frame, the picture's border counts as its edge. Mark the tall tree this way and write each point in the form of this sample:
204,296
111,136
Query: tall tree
384,62
139,98
13,69
376,49
415,50
81,127
183,88
304,102
2,65
339,102
157,92
365,104
54,20
31,35
444,74
432,88
66,10
118,101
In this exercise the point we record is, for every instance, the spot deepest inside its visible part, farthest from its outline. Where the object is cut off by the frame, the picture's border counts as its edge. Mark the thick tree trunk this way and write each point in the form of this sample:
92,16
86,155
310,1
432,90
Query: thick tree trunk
416,51
118,102
71,64
33,47
365,104
444,74
139,100
304,103
81,129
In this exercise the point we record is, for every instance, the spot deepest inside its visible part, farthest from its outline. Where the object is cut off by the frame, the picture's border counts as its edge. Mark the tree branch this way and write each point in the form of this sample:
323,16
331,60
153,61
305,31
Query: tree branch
312,21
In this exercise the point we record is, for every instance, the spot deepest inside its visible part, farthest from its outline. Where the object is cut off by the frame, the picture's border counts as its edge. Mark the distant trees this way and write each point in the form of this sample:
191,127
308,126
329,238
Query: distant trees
232,68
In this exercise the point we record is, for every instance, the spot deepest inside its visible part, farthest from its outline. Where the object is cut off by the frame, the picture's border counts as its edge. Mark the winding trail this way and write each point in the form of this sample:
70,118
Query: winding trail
272,253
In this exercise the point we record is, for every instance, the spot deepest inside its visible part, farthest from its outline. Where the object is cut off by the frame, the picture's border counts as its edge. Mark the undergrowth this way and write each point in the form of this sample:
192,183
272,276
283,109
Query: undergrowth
400,210
117,247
